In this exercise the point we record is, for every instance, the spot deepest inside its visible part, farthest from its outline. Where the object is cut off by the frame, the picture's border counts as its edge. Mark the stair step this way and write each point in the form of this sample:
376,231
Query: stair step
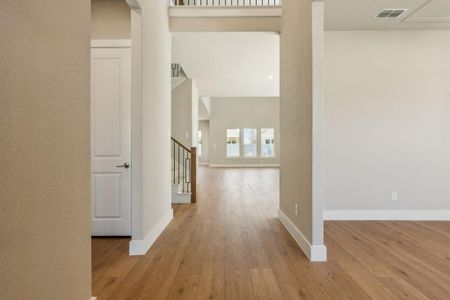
178,196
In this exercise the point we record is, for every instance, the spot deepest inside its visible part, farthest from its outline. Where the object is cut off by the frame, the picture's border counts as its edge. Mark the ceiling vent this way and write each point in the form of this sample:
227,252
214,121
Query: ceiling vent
391,13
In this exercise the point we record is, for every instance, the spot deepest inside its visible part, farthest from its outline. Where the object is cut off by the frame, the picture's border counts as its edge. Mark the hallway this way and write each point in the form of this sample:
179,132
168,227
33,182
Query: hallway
230,245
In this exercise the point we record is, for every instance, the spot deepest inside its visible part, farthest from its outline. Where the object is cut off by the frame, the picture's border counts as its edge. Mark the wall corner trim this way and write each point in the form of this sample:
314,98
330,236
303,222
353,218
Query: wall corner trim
140,247
111,43
386,215
315,253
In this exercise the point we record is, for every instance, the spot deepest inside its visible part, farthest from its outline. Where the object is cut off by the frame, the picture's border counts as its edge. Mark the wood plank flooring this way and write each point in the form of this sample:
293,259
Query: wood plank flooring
230,245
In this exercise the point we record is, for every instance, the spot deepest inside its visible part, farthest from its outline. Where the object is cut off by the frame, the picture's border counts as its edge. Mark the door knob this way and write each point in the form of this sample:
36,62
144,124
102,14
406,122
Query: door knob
125,165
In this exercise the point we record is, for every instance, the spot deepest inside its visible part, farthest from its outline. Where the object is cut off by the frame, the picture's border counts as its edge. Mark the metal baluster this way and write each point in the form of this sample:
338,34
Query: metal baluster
184,171
178,161
189,181
174,162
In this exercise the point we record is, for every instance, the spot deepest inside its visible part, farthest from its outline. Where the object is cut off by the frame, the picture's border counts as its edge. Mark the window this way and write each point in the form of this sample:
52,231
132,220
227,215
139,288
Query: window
267,142
233,142
250,142
200,142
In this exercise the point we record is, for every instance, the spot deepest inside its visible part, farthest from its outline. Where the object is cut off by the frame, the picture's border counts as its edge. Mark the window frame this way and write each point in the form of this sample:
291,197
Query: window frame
273,142
257,152
239,138
199,143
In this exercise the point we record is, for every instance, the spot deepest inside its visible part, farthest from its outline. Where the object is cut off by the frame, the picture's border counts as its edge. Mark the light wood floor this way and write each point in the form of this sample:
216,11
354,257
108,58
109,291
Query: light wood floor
232,246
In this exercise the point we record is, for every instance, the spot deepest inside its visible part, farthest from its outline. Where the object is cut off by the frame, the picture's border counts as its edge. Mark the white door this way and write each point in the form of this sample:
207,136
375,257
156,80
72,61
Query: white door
111,141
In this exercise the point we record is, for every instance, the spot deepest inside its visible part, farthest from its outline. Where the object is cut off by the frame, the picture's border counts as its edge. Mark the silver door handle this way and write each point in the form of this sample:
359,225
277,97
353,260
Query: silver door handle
125,165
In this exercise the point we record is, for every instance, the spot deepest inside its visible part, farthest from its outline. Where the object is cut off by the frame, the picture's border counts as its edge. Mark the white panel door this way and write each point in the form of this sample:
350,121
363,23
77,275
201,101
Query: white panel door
111,141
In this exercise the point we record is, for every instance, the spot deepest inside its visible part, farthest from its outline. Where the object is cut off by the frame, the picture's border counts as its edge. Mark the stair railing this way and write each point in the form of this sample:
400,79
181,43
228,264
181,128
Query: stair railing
184,168
227,2
176,70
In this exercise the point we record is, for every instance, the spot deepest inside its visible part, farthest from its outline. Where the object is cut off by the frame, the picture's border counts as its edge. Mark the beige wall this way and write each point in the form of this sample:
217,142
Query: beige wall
182,112
195,98
110,19
44,150
185,113
156,98
296,114
247,112
204,127
387,116
225,24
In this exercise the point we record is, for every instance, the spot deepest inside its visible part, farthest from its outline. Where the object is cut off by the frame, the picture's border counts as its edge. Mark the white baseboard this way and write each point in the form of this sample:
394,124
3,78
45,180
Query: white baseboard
244,166
181,198
140,247
386,215
203,164
314,253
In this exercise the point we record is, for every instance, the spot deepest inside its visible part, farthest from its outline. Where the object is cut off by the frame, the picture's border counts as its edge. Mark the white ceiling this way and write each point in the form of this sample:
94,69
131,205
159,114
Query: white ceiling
244,64
230,64
360,15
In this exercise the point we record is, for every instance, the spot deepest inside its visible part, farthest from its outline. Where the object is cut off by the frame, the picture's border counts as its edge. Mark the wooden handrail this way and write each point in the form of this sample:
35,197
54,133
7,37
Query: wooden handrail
181,145
193,175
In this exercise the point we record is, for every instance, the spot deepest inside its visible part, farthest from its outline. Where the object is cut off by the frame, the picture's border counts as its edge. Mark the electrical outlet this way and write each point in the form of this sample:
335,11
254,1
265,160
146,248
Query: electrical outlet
394,196
296,209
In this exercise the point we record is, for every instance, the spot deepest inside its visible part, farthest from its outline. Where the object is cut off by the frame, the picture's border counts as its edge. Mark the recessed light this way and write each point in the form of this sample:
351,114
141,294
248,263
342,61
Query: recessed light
270,77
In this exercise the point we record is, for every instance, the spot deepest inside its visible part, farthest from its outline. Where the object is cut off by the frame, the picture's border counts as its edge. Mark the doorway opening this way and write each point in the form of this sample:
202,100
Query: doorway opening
225,103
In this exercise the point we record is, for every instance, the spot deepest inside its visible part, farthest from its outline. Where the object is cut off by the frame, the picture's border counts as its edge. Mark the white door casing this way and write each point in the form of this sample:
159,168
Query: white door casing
111,141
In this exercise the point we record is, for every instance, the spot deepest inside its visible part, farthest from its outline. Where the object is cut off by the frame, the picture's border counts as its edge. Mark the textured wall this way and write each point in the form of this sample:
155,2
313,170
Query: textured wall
44,150
110,19
296,113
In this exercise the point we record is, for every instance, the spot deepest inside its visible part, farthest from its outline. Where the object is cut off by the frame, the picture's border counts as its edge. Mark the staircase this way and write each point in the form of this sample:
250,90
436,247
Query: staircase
184,158
178,75
184,173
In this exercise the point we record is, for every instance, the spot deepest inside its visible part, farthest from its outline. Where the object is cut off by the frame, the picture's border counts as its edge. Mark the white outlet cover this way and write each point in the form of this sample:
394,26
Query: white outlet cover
394,196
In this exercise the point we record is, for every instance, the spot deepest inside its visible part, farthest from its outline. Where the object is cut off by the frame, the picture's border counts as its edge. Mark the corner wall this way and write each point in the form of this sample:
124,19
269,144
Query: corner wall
296,114
45,247
156,122
156,107
296,127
